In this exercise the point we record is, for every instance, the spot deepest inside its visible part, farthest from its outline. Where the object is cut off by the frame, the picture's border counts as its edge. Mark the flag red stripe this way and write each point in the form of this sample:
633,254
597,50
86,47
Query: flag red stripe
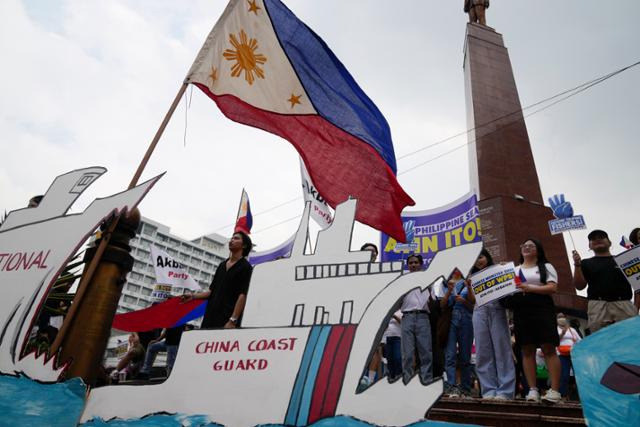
340,165
164,315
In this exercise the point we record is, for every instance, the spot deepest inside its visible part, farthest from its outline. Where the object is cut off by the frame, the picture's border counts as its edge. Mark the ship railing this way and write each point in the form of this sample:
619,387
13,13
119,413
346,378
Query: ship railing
309,272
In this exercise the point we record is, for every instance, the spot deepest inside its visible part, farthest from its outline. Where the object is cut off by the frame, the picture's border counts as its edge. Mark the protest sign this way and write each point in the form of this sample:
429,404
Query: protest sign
565,220
557,226
430,231
171,272
320,210
629,263
493,282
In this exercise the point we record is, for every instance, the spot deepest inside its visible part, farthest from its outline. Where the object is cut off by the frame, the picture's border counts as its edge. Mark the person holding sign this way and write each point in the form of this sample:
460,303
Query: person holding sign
494,363
608,293
534,317
227,293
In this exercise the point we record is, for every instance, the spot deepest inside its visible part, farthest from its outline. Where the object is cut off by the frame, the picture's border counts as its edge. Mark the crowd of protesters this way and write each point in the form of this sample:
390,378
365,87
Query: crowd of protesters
517,346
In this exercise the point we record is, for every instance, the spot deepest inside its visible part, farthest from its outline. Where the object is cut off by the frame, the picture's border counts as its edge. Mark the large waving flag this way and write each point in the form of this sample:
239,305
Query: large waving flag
265,68
244,220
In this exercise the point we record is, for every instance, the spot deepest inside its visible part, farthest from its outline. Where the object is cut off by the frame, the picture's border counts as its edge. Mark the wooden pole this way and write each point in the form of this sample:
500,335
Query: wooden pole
88,275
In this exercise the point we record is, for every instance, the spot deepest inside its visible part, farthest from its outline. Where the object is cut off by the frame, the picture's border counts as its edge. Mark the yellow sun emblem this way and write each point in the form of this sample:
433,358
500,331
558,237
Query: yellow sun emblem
246,58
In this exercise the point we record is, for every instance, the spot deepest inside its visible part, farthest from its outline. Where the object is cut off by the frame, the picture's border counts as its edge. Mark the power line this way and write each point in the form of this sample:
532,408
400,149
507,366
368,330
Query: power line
559,97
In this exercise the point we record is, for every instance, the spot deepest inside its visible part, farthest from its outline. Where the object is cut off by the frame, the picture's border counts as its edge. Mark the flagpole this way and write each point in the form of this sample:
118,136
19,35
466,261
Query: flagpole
106,236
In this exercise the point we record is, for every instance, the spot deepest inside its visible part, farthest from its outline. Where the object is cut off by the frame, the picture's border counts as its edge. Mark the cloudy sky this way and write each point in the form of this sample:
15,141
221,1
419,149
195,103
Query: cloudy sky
87,83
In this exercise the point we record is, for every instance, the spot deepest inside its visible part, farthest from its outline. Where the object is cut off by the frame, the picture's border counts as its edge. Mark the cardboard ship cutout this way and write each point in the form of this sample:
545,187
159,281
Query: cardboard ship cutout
310,324
35,244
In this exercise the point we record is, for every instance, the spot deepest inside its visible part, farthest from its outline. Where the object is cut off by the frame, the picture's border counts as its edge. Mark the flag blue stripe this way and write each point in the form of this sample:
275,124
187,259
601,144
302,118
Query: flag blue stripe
334,93
193,314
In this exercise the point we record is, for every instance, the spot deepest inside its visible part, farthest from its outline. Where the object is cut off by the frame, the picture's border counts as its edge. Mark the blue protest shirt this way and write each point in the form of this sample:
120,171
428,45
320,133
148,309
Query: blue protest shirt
458,289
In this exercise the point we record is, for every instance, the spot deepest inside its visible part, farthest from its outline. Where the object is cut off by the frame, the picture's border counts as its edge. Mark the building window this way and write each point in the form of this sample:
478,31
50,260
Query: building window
133,288
129,299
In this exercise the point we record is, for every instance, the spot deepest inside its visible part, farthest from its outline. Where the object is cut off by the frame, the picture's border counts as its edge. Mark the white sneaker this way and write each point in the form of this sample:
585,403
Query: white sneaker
552,396
501,397
533,395
488,397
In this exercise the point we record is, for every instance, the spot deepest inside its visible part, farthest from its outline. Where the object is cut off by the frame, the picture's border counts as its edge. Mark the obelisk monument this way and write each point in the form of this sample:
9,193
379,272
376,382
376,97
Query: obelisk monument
502,167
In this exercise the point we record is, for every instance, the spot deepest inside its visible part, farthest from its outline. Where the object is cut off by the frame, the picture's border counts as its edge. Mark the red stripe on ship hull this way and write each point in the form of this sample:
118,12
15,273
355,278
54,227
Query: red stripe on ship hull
340,164
324,373
337,374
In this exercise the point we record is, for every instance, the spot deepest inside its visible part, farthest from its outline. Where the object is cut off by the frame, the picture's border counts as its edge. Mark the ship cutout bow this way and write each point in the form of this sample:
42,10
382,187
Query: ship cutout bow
623,378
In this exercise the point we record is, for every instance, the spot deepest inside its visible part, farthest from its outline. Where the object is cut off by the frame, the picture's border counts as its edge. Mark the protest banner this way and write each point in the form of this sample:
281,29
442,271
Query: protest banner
281,251
170,276
430,231
493,282
629,263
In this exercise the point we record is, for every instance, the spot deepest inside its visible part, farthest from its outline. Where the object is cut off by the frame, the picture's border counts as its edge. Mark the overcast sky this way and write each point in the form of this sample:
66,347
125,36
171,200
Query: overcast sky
87,83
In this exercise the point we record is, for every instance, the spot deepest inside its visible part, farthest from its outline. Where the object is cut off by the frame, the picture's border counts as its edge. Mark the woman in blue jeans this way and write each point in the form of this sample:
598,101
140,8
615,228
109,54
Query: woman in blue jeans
494,361
460,299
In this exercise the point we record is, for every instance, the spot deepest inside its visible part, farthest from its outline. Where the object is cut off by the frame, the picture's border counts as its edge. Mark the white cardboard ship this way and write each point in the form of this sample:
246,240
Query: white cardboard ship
311,324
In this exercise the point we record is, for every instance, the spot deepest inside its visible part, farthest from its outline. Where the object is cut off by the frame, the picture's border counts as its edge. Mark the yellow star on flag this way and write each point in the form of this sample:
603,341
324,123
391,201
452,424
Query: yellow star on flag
294,100
253,7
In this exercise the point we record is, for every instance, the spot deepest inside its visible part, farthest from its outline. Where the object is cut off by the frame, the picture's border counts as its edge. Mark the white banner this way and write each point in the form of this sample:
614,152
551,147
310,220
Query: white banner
320,210
493,283
171,272
629,263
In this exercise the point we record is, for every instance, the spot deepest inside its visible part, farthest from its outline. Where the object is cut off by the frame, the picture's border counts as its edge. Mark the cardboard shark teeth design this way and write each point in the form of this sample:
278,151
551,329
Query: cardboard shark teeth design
36,244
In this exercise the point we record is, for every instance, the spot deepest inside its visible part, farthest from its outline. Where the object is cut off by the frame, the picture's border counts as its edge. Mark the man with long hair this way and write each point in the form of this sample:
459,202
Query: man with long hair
227,293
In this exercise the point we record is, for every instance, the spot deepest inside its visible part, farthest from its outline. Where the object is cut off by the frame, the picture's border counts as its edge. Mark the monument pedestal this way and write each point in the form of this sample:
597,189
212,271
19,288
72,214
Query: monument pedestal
502,168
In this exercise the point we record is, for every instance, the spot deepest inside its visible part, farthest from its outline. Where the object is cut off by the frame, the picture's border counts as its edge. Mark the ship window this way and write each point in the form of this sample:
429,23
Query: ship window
318,271
351,269
375,268
396,266
386,267
146,291
299,273
342,270
308,274
133,288
333,270
363,268
325,271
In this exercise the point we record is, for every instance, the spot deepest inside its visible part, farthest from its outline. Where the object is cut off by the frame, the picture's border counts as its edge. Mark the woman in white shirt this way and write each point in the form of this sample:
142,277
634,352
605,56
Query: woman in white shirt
568,338
534,317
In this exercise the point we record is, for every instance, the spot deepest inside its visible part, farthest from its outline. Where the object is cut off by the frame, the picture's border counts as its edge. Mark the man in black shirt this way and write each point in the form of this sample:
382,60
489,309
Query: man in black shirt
227,293
609,293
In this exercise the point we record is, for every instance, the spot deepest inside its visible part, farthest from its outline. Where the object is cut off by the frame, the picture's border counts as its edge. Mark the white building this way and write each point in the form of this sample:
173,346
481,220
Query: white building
201,256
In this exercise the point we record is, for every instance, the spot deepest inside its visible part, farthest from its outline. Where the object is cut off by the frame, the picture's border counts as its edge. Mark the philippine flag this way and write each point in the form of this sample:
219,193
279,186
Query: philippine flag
265,68
244,220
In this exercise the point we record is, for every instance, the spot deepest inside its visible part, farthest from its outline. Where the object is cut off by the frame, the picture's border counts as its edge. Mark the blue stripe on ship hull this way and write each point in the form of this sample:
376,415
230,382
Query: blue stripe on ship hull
296,395
298,411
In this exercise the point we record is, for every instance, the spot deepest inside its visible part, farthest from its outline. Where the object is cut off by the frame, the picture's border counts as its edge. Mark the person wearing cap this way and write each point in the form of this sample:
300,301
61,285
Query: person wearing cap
608,293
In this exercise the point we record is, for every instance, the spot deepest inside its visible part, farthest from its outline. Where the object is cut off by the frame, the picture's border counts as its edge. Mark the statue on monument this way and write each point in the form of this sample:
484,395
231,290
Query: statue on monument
475,9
